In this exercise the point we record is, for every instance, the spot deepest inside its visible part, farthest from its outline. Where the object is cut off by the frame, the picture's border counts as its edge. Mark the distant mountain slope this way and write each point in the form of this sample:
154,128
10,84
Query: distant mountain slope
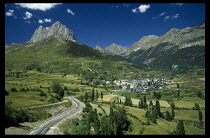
113,49
166,51
138,45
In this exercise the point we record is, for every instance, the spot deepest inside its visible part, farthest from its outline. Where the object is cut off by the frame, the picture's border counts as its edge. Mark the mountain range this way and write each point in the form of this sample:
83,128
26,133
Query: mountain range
175,45
176,51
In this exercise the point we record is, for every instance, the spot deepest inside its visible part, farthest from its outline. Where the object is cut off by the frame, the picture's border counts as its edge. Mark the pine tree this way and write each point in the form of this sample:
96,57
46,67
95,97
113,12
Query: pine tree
178,93
150,104
97,94
172,114
142,104
180,128
86,97
200,116
101,95
139,106
92,95
157,105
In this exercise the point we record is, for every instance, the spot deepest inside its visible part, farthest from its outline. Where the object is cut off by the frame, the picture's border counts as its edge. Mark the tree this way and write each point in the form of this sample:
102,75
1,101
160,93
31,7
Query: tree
17,74
86,97
178,93
142,104
200,115
172,114
177,86
144,99
157,105
197,107
56,87
180,128
61,93
168,116
101,95
120,120
65,88
172,105
97,94
128,101
139,105
150,103
92,95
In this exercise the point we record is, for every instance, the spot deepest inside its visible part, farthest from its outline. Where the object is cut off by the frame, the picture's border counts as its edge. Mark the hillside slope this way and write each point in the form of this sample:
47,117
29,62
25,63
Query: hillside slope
183,48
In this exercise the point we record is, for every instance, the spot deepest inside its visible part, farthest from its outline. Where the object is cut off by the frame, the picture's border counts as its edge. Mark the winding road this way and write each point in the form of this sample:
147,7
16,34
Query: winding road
41,130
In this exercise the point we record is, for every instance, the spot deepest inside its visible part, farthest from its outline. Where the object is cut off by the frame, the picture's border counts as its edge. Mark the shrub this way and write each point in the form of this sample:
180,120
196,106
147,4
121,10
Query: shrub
13,89
42,94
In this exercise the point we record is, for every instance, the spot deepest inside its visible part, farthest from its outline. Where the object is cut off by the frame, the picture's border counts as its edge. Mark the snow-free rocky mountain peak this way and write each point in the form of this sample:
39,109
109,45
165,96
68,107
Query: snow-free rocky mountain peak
55,29
113,49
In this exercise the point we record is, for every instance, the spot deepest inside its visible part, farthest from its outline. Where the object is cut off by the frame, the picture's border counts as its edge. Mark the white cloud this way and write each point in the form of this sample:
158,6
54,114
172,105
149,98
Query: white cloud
135,10
175,16
158,16
126,5
179,4
141,8
163,13
9,13
167,17
38,6
71,12
44,21
40,21
47,20
28,15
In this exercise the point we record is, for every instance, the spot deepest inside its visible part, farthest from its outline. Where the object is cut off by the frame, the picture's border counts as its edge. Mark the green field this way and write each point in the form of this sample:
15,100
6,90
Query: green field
183,105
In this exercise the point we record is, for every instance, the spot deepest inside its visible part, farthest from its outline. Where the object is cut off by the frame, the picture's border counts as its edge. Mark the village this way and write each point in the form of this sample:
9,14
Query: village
140,85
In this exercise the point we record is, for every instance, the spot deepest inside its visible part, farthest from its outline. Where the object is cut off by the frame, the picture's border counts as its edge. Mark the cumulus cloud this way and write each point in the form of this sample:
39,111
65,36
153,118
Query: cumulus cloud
38,6
47,20
44,21
9,13
40,21
141,9
71,12
28,15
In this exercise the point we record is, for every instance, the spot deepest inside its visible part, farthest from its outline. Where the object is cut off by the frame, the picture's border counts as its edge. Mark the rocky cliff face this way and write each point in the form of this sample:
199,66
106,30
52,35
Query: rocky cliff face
56,29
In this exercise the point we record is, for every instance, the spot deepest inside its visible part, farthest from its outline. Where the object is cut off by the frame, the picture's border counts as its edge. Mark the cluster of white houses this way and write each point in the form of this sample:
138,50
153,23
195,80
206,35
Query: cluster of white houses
142,85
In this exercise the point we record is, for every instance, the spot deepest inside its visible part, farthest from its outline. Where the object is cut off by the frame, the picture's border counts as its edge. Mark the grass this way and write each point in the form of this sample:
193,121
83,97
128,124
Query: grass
25,99
189,102
32,79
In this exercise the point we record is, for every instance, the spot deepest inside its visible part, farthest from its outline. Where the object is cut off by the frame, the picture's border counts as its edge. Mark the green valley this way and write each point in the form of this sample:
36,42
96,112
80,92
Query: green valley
123,95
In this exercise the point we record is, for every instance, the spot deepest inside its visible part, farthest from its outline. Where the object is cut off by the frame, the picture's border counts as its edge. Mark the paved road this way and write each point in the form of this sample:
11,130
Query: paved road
41,130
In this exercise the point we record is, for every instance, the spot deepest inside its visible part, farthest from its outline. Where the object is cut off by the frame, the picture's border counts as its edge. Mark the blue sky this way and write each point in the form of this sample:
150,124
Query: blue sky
101,23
